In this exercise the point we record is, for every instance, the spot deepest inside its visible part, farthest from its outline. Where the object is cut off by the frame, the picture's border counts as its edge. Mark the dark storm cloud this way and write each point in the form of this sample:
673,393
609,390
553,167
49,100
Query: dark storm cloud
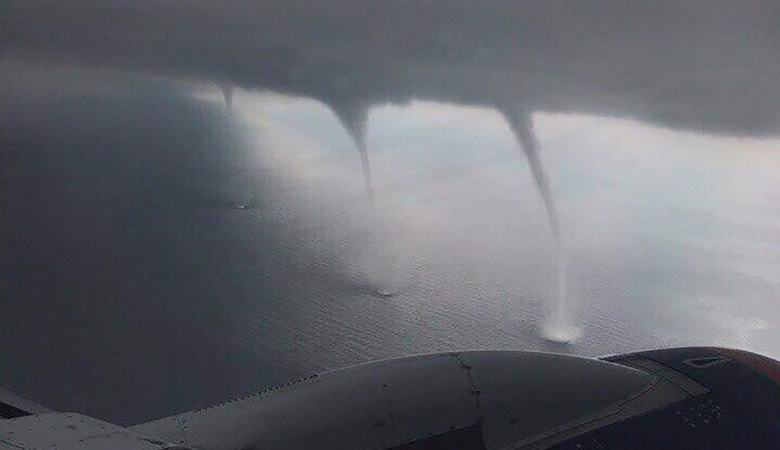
704,65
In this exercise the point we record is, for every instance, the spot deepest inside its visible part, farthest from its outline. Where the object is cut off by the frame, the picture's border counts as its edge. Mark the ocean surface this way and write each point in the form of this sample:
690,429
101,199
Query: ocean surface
163,250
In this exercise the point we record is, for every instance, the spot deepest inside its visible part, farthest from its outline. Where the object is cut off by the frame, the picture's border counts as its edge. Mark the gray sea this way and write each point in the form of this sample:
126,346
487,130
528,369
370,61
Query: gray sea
162,252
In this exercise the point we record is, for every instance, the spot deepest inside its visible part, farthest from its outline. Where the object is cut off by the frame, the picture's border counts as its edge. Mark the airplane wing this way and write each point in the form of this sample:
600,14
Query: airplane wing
687,398
68,431
13,406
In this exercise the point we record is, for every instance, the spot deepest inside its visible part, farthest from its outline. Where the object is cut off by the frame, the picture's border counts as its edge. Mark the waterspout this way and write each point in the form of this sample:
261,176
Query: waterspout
559,325
354,118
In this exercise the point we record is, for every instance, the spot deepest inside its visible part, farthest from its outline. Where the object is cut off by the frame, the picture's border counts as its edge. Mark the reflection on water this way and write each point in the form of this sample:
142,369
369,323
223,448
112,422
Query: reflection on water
185,219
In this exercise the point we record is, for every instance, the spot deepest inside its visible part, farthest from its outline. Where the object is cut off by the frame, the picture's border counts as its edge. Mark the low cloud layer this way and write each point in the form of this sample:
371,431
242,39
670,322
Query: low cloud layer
701,65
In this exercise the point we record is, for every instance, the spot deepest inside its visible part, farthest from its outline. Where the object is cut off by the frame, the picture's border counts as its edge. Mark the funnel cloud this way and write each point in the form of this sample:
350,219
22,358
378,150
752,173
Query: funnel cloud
354,118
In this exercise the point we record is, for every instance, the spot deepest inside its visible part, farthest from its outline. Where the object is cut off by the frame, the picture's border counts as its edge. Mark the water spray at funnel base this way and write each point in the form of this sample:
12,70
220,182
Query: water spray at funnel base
559,324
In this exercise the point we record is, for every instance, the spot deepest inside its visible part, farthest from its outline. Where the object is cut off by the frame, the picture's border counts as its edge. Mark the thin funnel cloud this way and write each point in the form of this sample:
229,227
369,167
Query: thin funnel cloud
354,119
227,95
522,127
